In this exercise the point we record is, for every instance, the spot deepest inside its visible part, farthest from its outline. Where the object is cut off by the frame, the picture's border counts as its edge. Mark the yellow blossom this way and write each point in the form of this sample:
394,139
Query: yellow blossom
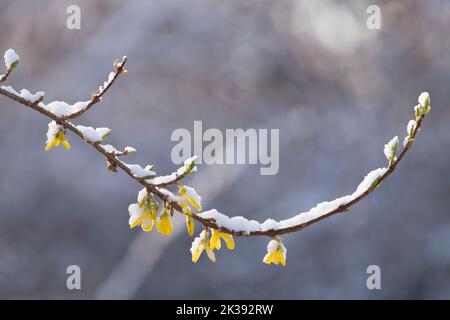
215,240
164,223
140,216
200,244
276,253
55,137
188,196
190,225
56,141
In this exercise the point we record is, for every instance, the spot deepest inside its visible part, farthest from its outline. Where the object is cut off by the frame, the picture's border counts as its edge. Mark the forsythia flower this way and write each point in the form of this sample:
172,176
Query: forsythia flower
140,216
144,212
276,253
215,240
55,137
188,196
200,244
164,223
190,225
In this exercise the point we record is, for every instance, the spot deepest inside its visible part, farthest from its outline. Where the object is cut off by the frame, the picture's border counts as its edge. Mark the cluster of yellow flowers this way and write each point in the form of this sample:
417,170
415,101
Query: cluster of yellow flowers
204,243
145,213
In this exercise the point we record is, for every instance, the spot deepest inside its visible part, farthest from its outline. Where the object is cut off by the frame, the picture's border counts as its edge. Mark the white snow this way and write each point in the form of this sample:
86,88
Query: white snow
11,57
172,197
53,130
411,127
94,135
130,150
239,224
423,98
390,148
190,192
405,141
242,224
62,108
199,242
273,245
139,172
135,209
109,148
25,94
142,195
107,82
167,179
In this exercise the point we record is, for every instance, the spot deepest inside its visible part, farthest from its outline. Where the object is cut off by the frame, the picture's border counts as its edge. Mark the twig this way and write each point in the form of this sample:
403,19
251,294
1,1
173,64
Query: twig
155,188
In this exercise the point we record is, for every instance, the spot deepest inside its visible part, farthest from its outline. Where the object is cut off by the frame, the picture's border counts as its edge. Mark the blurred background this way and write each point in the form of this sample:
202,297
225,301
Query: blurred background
336,90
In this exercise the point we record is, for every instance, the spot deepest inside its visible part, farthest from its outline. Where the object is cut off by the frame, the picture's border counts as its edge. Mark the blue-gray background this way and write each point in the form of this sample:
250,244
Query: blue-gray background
336,90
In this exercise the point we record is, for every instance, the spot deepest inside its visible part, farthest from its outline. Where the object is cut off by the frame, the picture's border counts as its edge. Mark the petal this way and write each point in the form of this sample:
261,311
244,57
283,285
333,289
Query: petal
190,225
195,204
147,224
197,253
228,240
134,220
269,257
166,226
214,242
211,255
50,145
65,143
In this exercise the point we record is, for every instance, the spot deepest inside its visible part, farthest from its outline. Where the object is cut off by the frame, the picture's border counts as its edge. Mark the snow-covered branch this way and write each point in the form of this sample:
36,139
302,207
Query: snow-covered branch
157,203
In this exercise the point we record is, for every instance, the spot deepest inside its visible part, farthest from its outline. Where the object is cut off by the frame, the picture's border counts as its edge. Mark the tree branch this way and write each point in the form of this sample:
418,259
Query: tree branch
158,189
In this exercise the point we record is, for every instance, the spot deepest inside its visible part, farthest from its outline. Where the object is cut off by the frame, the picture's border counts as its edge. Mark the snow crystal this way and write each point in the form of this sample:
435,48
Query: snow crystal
390,148
139,172
269,224
405,141
190,192
239,224
323,208
25,94
411,127
198,241
109,148
130,150
11,57
94,135
174,175
142,195
107,82
273,245
53,130
423,98
164,179
368,181
62,108
169,194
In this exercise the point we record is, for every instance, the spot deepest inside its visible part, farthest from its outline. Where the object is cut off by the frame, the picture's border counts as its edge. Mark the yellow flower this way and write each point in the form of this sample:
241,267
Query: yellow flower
200,244
188,196
164,224
55,137
276,253
56,141
140,216
215,240
190,225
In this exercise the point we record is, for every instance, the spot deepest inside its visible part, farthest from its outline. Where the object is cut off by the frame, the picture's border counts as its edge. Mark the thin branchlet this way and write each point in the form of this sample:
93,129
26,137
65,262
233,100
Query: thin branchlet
155,189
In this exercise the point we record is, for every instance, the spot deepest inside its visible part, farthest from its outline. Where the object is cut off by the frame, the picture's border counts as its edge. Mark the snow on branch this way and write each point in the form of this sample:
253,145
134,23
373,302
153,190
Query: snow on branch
157,203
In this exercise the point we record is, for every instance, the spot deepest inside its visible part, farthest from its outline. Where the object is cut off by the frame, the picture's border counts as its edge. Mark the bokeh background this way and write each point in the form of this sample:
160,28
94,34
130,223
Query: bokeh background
336,90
